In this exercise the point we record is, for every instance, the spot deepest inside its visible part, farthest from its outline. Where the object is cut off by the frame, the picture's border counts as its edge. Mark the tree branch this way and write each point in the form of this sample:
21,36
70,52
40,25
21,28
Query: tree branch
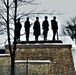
4,3
3,17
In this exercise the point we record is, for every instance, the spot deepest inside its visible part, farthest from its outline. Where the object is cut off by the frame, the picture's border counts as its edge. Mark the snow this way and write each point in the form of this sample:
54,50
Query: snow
33,61
4,55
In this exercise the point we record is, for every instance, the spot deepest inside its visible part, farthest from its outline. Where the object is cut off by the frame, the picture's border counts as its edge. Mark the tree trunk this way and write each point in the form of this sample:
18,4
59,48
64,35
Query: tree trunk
12,66
12,53
8,34
14,47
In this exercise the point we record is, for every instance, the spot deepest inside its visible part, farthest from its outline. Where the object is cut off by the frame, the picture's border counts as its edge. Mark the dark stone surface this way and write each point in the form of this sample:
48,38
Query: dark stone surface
41,45
2,51
31,42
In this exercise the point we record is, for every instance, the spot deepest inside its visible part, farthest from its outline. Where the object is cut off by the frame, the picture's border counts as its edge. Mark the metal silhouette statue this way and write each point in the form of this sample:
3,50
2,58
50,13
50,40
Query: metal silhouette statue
18,29
54,26
36,28
27,28
45,26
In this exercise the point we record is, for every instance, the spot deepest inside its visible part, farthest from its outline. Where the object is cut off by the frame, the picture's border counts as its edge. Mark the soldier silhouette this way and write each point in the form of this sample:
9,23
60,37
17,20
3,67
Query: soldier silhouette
36,28
27,28
54,26
18,29
45,26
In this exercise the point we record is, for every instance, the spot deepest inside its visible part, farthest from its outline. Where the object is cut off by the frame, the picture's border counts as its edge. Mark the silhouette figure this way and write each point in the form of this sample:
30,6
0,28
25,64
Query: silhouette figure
27,28
54,26
18,29
36,28
45,26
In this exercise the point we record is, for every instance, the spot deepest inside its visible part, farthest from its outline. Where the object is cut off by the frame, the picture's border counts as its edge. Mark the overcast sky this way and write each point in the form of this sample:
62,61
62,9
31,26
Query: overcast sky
60,6
63,6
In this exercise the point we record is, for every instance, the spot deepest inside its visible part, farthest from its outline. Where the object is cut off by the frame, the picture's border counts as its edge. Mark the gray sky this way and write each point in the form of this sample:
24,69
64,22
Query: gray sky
67,6
60,6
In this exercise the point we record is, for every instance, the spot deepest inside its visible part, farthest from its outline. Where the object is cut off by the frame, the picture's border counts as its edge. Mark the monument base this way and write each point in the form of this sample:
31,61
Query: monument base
44,59
31,42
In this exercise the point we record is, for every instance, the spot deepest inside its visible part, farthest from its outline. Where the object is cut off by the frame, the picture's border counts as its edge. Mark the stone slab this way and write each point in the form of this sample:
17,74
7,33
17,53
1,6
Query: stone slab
47,41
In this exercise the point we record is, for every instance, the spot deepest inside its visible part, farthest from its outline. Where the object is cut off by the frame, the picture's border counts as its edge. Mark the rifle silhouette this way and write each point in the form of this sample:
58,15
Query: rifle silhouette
57,36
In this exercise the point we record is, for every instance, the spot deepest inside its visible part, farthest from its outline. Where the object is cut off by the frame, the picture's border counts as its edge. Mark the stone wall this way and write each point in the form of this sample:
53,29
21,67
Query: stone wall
33,69
5,64
59,55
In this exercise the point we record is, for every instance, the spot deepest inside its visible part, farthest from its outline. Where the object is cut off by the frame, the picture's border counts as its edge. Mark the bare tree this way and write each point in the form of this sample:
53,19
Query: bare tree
8,19
71,28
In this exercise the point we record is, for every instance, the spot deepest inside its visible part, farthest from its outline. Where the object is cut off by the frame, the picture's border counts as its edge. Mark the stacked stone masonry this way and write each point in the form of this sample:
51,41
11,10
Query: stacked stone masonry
60,56
5,64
